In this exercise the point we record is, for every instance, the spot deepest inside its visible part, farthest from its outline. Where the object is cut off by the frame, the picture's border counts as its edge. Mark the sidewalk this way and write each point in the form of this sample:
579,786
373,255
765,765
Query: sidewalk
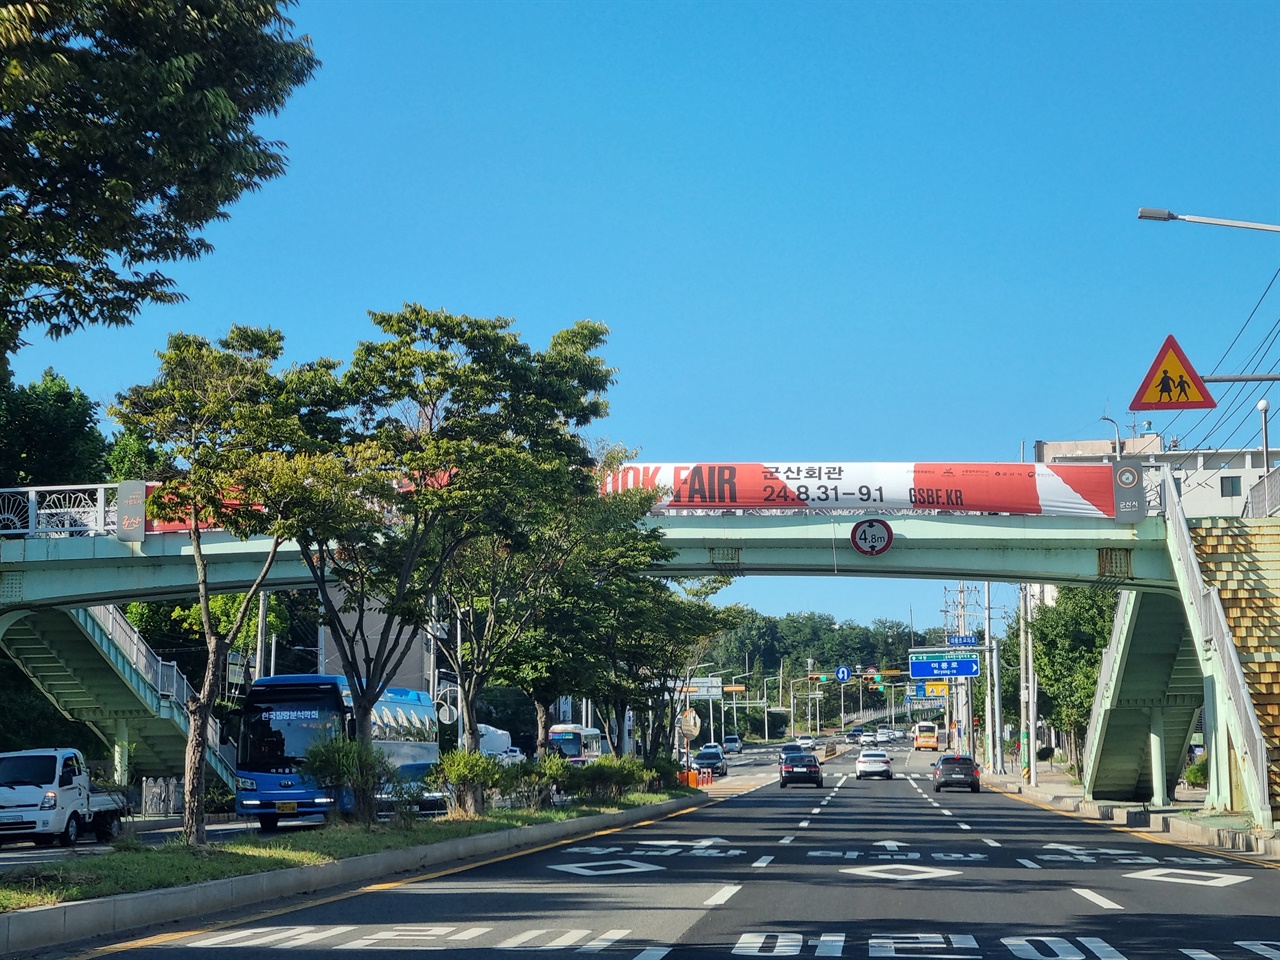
1184,819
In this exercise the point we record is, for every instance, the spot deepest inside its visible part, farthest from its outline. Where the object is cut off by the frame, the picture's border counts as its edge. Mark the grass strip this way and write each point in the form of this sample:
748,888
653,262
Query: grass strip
133,867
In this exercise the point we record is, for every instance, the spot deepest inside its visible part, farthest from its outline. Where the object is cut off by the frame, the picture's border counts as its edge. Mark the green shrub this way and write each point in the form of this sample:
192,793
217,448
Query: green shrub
465,777
343,766
1197,774
666,772
609,778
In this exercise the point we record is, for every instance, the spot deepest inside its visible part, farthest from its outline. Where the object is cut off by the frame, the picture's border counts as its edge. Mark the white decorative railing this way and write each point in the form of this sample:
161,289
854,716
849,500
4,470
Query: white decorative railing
79,511
1215,634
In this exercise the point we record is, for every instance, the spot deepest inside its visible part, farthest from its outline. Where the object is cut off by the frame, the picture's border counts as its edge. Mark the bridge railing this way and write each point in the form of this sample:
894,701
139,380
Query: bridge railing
79,511
1215,634
1263,499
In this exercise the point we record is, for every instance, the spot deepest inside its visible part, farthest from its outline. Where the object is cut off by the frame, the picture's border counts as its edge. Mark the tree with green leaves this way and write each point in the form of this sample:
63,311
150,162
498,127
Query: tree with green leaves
1069,637
234,426
456,427
49,435
128,128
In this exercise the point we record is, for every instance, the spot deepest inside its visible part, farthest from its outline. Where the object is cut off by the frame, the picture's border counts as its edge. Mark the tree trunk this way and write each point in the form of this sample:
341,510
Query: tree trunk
542,713
364,801
198,709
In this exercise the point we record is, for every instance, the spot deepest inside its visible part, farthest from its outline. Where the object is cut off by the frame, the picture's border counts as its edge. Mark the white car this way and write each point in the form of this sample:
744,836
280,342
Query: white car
806,740
873,763
884,735
512,755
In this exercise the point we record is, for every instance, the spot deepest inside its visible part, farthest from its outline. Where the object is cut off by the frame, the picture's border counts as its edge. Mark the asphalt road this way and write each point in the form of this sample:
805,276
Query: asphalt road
855,869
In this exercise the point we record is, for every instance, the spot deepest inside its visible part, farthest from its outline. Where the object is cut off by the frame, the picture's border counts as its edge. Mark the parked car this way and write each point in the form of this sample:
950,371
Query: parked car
806,740
789,750
873,763
800,768
956,771
733,743
512,755
45,795
413,790
712,760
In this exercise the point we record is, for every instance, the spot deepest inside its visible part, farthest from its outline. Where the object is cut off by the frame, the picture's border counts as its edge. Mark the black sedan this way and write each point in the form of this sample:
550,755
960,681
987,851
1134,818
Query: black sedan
712,760
800,768
956,771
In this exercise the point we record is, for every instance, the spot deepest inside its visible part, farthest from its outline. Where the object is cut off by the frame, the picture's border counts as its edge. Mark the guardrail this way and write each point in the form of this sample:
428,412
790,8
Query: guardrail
1214,633
73,511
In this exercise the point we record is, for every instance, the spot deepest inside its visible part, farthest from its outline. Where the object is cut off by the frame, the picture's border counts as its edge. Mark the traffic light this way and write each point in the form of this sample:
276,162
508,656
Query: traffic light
878,679
977,722
820,677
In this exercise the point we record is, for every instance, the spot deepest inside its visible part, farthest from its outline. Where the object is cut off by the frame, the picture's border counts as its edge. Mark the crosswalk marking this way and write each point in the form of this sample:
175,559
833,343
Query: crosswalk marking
606,939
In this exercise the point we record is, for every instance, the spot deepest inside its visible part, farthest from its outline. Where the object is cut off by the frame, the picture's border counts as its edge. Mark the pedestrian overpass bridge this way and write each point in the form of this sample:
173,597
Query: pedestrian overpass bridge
1194,634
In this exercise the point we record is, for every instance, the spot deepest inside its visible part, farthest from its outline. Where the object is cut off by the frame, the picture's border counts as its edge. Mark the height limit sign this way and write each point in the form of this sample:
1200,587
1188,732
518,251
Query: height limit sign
871,537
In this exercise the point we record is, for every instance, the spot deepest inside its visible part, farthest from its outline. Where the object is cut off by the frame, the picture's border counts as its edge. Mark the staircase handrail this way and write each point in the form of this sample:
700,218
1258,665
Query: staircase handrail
1106,677
1215,635
169,684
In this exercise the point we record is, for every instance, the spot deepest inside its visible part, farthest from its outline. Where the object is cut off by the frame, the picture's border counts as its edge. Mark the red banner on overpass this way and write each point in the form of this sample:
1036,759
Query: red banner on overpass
1044,489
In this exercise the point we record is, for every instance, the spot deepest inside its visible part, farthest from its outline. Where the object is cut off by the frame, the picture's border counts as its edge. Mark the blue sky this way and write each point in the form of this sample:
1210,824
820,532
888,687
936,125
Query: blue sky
850,232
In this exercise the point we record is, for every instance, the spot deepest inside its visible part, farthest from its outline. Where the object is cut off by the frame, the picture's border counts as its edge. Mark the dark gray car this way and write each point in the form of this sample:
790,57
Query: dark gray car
956,771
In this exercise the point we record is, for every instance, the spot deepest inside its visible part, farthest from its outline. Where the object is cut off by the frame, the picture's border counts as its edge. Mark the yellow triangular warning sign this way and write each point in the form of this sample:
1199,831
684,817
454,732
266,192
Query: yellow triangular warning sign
1172,383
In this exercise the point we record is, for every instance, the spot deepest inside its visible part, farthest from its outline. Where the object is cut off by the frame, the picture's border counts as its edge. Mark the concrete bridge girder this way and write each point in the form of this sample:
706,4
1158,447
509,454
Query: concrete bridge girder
1001,548
86,571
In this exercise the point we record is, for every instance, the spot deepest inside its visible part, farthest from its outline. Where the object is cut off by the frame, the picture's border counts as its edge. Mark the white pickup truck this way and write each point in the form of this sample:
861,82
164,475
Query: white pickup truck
45,795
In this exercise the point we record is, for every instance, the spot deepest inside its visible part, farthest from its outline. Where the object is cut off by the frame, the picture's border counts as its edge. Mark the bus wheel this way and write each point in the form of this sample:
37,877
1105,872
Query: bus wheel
268,821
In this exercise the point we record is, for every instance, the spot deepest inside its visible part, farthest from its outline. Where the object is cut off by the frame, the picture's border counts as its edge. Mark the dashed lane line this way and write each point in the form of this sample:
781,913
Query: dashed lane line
1097,898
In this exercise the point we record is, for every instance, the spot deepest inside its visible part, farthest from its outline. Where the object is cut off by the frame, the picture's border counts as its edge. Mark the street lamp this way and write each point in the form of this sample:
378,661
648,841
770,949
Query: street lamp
1117,426
733,680
1154,213
793,703
781,708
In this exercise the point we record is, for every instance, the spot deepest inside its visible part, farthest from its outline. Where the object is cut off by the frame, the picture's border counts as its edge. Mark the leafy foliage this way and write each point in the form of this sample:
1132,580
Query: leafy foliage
346,764
128,128
49,435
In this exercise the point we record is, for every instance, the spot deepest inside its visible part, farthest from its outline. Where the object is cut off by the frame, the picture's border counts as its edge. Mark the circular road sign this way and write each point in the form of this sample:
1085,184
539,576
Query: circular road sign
1127,476
690,724
871,537
843,674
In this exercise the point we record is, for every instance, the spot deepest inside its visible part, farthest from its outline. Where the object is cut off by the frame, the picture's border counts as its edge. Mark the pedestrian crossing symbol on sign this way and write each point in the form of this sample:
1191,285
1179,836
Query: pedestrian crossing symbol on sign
1172,383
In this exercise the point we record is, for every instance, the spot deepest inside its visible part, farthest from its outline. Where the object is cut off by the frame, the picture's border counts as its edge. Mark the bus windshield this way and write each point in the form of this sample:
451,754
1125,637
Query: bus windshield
569,742
276,733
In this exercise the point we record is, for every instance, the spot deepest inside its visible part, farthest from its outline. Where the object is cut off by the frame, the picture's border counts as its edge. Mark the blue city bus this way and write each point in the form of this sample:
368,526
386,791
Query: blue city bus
283,716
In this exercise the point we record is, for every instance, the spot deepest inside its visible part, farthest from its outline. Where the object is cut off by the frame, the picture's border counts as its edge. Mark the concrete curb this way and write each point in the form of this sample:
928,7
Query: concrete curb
58,925
1176,825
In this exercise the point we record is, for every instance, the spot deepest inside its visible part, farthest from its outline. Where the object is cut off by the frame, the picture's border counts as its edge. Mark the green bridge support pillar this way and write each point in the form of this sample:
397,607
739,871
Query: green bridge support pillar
1159,782
120,752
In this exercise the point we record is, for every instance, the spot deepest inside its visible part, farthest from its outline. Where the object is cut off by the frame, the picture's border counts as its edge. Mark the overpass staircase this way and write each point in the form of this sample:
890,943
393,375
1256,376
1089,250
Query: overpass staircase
1241,558
94,667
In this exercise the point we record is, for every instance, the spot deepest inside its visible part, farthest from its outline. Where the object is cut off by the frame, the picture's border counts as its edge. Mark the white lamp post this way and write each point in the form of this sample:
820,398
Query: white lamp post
1154,213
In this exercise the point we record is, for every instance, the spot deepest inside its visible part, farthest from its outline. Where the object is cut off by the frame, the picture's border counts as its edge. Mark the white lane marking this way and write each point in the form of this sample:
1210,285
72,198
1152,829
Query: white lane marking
763,862
786,839
964,826
1200,878
804,823
311,937
652,953
1097,898
824,802
934,803
947,813
470,933
606,939
829,945
724,894
989,842
1030,864
815,810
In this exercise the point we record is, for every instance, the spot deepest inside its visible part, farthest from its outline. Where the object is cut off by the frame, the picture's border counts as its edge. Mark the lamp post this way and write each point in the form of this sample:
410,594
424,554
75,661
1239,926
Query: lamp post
767,680
793,703
711,708
1117,426
1154,213
735,703
1263,407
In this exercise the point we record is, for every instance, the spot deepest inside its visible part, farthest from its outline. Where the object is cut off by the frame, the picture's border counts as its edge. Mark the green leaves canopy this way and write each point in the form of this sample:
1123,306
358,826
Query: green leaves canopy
126,128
